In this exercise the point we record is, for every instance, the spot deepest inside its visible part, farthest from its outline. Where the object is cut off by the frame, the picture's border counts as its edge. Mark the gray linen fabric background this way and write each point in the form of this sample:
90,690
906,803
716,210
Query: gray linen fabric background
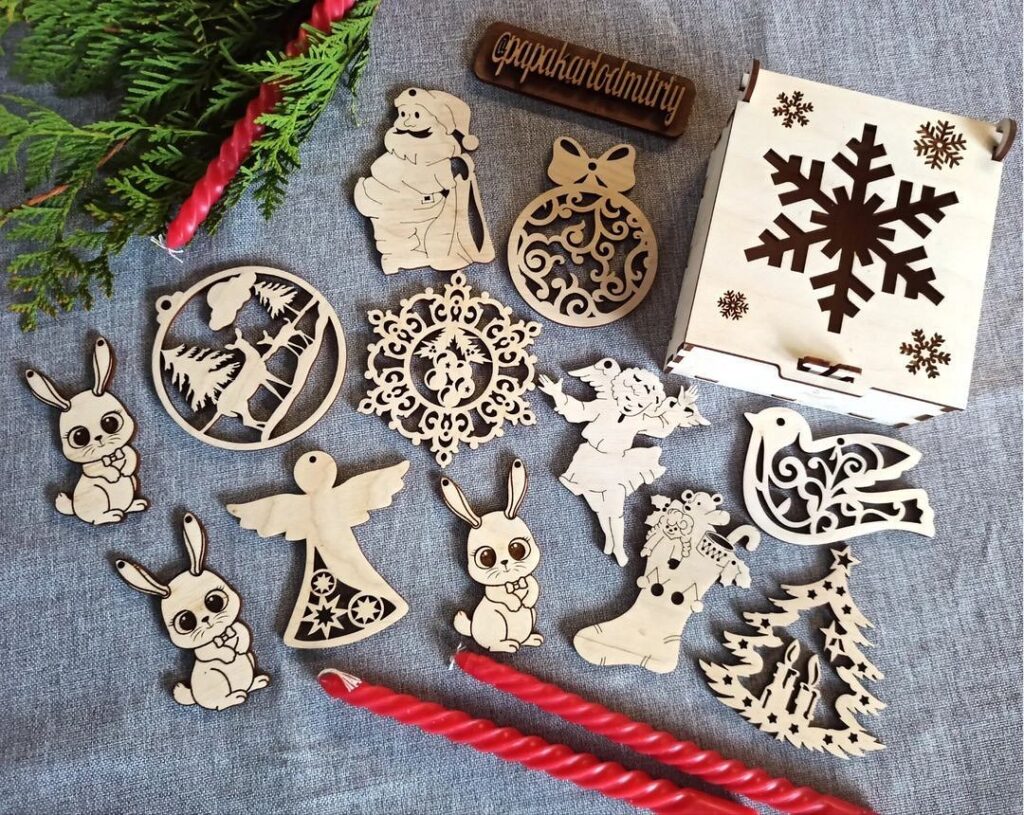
87,721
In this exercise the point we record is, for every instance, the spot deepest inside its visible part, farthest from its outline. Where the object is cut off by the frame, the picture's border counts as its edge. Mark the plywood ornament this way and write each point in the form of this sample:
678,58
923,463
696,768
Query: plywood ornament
815,491
607,468
200,611
270,335
422,195
450,367
583,254
95,433
787,705
502,556
839,234
343,599
685,557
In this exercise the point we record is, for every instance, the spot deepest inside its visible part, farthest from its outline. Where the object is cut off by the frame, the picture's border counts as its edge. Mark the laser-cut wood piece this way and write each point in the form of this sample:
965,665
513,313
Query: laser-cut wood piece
686,556
95,433
343,599
816,491
787,705
607,468
421,194
583,254
450,367
295,335
200,611
502,555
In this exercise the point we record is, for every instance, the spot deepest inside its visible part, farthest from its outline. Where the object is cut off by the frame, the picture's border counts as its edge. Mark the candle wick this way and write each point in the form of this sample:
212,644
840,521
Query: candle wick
174,253
348,680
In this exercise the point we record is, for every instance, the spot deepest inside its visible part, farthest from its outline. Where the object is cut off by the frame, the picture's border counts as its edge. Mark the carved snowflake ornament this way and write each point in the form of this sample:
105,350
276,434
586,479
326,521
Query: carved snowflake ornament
451,367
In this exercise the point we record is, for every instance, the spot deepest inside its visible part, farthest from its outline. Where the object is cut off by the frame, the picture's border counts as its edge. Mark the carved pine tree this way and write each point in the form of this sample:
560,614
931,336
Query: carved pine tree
200,374
275,297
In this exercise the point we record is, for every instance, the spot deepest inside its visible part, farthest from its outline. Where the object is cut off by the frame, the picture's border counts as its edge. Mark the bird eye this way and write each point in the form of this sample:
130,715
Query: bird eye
519,548
216,600
111,422
780,421
485,558
78,437
184,622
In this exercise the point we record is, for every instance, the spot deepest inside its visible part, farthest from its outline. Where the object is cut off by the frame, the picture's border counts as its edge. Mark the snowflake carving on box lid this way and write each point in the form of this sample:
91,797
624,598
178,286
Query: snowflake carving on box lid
854,227
450,367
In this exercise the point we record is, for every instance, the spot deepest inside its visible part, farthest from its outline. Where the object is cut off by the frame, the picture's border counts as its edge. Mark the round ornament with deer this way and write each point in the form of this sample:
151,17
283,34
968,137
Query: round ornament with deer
248,358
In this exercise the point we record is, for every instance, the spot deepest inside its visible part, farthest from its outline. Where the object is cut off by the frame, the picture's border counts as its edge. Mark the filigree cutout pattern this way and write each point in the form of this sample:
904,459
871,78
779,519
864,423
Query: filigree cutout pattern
451,367
583,254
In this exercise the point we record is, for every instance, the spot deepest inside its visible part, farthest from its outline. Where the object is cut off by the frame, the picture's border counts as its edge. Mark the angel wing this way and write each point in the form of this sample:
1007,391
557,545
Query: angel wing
599,376
285,514
356,498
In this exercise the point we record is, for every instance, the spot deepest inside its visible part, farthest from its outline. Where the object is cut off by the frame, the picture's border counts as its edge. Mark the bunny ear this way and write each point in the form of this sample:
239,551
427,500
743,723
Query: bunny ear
141,580
102,366
516,488
458,504
45,391
195,542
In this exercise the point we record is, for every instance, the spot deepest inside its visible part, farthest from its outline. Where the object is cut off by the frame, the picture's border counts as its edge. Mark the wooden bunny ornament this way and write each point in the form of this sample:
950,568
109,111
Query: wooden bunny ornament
502,557
200,611
95,431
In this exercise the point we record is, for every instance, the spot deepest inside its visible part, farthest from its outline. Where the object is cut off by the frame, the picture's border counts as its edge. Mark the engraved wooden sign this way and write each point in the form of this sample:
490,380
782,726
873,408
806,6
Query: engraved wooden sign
583,79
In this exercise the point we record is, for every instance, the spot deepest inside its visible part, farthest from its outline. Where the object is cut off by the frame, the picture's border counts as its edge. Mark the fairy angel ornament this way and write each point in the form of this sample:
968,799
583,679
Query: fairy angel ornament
342,598
607,468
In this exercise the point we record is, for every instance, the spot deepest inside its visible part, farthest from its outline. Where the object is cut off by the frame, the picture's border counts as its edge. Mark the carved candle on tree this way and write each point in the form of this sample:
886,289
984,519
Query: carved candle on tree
783,683
808,695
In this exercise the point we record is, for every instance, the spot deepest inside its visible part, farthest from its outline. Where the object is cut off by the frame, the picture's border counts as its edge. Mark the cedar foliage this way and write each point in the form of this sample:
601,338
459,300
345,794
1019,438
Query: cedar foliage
180,74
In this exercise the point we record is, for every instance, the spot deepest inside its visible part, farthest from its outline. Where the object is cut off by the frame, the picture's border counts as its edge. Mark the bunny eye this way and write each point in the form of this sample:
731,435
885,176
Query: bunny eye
184,622
111,422
519,548
485,558
78,437
216,600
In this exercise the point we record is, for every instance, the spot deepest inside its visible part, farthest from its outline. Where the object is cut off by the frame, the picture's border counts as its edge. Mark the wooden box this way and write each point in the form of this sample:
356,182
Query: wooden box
839,253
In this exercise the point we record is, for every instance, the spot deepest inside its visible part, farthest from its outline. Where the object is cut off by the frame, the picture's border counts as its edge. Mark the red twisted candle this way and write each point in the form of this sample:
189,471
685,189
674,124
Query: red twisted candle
583,769
236,148
683,755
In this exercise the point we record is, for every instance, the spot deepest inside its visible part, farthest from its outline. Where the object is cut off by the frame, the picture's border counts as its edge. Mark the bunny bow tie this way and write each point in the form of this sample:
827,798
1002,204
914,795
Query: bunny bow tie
516,585
571,164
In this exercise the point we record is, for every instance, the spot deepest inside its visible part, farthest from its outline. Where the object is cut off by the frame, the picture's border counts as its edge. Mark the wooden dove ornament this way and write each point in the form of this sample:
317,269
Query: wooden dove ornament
342,598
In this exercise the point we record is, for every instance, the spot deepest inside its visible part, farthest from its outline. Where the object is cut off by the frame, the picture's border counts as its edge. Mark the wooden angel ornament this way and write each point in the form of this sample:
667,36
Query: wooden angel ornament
200,611
786,707
342,598
607,468
814,491
420,195
686,556
583,254
95,433
502,557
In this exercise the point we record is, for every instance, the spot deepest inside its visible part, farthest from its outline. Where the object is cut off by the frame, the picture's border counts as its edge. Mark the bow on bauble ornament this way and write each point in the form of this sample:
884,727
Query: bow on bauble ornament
583,254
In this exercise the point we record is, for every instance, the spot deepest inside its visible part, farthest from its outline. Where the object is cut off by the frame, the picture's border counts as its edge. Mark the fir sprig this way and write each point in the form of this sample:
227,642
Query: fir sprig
182,74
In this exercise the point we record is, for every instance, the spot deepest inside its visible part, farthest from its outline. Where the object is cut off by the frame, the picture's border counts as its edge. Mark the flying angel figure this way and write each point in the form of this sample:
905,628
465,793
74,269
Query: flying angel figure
607,469
343,599
814,491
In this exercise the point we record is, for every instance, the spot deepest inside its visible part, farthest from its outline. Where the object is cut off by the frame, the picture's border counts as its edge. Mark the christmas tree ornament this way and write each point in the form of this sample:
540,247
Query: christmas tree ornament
787,706
815,491
95,433
583,79
502,556
685,556
583,254
450,367
342,598
840,234
200,611
258,376
607,468
422,195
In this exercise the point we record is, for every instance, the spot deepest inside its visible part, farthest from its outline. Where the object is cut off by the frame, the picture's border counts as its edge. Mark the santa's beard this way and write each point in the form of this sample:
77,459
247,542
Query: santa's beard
436,147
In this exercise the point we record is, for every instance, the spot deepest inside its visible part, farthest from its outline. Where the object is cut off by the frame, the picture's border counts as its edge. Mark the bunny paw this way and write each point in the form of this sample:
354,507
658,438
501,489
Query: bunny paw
534,639
506,647
111,516
234,698
138,505
258,682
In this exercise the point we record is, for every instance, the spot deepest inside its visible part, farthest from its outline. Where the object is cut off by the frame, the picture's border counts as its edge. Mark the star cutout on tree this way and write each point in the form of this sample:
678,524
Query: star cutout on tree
864,700
772,718
853,737
812,595
861,667
741,644
794,728
842,558
827,585
847,610
322,616
727,680
828,738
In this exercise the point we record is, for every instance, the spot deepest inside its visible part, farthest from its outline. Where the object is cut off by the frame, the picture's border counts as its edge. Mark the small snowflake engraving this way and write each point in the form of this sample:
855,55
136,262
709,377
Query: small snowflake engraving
854,227
940,145
925,354
793,109
733,305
